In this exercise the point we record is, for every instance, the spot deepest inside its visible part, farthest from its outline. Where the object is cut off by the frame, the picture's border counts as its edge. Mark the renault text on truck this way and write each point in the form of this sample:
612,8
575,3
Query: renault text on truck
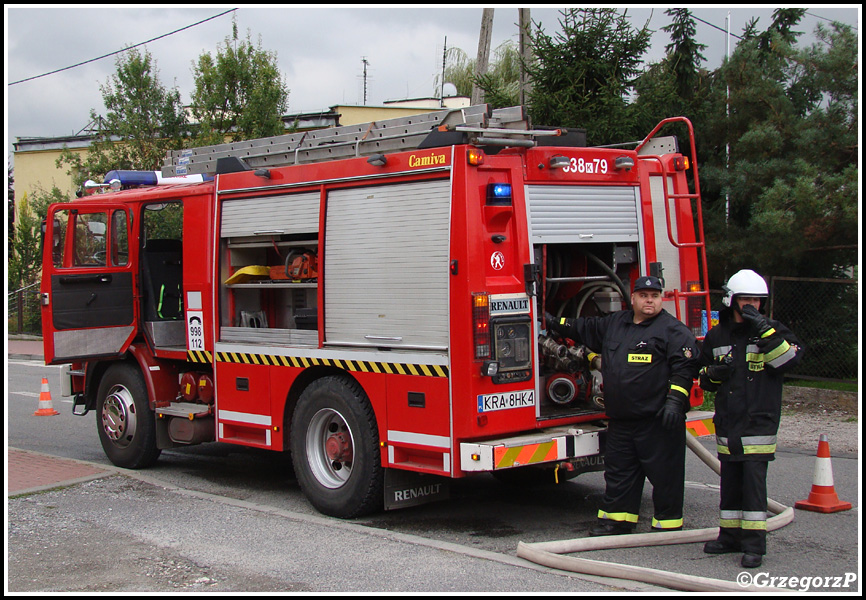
369,298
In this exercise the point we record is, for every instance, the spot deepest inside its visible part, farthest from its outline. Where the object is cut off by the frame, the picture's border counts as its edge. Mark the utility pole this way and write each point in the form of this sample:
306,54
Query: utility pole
483,53
727,124
525,22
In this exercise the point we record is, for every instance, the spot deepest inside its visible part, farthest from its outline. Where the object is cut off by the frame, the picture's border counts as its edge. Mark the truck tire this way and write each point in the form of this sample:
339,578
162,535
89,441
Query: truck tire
335,449
127,426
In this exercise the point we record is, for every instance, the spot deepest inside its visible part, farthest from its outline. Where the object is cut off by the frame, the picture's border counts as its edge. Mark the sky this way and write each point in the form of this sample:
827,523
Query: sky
319,49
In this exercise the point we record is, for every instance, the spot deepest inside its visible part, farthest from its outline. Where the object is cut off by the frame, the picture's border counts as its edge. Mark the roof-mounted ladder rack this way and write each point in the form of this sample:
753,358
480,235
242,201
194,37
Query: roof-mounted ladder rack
474,124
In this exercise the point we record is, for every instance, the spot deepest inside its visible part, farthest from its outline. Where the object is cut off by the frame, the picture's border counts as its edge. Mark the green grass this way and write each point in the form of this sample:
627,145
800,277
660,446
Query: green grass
709,397
825,385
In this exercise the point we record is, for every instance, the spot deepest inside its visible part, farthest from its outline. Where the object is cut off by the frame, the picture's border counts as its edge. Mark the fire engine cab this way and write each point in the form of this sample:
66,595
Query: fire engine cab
369,298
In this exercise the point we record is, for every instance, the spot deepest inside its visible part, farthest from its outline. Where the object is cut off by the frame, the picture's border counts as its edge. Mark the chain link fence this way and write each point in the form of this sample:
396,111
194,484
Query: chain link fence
823,314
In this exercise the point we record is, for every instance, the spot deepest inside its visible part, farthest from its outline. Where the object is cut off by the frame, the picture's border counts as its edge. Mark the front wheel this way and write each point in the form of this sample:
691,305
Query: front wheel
335,449
127,427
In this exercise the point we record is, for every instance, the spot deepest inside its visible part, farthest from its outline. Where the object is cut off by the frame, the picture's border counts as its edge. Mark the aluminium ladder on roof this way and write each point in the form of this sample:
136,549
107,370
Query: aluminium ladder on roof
503,126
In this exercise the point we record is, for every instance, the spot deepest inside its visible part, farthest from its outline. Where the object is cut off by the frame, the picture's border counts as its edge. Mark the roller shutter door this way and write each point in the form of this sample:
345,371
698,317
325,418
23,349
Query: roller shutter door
275,215
386,266
568,214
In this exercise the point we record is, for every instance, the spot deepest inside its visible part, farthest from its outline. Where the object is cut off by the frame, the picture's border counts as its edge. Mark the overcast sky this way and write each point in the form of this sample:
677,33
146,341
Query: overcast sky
319,49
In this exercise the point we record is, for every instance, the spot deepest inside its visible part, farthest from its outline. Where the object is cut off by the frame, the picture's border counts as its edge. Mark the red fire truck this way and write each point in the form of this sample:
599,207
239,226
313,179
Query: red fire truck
368,298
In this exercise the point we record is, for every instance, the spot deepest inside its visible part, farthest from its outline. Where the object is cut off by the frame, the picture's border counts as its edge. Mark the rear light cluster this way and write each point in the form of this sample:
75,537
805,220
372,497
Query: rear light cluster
503,343
481,325
694,308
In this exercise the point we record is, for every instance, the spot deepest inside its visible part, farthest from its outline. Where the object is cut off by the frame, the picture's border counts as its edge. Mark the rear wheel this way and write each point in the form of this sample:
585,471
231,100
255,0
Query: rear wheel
335,449
127,427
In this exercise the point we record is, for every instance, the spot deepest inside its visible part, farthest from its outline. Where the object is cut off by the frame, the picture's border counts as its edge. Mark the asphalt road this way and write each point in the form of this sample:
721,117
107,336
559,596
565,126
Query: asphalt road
218,517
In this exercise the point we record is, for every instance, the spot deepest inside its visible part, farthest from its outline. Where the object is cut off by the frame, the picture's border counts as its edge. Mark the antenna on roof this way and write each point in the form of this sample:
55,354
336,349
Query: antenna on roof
365,63
442,86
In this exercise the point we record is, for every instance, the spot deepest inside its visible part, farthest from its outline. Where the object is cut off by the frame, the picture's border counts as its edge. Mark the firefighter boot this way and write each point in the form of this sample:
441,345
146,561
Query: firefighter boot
719,547
608,527
751,561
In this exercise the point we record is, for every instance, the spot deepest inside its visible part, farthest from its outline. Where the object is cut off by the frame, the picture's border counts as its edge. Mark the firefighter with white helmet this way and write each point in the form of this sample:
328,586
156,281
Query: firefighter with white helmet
745,282
743,360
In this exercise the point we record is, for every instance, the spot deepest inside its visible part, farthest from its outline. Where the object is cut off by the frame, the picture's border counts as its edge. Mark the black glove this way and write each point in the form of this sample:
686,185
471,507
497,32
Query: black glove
718,372
758,321
556,326
771,342
671,413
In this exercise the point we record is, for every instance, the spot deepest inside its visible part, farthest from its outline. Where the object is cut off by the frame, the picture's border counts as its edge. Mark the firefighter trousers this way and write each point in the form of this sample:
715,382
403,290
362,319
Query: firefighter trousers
743,505
640,449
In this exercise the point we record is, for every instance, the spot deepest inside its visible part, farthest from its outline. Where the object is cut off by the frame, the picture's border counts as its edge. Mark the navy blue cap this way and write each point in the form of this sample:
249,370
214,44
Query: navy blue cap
648,282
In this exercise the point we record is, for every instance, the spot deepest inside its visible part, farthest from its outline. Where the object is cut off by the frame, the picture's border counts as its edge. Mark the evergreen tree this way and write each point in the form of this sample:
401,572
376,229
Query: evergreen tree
791,182
677,85
582,77
684,52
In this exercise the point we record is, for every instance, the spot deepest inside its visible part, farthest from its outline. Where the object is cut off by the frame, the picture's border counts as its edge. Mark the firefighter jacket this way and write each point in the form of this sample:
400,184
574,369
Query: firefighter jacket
749,401
642,363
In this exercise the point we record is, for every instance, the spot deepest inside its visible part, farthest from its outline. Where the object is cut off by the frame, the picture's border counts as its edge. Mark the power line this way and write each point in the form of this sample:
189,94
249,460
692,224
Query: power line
826,19
740,37
715,26
125,49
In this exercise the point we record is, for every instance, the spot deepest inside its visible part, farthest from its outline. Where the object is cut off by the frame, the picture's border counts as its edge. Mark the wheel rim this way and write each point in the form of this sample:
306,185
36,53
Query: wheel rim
118,416
330,448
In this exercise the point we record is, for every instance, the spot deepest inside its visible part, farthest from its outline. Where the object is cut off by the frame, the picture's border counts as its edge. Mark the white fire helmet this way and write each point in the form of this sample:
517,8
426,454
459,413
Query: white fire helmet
744,283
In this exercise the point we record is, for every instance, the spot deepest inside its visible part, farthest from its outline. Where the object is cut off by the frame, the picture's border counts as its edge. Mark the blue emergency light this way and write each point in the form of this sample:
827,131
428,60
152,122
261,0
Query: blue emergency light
130,178
499,194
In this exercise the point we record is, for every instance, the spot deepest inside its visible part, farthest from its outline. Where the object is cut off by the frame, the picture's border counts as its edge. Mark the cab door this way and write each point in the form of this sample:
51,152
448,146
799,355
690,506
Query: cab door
88,297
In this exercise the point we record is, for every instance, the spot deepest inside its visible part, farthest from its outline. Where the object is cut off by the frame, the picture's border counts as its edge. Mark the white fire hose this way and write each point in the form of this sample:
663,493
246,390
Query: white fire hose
550,554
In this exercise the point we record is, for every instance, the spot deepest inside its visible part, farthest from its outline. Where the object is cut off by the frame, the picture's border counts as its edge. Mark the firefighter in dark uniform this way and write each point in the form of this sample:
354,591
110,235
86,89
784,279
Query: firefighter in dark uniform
743,360
649,360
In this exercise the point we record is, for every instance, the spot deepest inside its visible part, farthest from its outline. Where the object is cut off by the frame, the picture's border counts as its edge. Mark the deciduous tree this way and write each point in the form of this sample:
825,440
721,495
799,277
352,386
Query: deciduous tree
143,120
239,93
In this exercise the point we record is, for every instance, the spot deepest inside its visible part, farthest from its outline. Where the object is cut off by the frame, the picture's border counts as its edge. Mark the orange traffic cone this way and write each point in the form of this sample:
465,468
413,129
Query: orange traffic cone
45,407
823,496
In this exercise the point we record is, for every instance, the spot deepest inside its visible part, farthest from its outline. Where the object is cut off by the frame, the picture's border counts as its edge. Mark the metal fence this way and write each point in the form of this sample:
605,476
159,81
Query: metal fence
23,314
823,314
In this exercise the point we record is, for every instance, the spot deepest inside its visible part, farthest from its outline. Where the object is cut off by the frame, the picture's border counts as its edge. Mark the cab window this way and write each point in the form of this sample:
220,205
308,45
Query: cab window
89,242
93,234
119,238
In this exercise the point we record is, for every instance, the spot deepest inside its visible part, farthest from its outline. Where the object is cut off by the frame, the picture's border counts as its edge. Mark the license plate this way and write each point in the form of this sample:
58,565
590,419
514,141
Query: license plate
505,401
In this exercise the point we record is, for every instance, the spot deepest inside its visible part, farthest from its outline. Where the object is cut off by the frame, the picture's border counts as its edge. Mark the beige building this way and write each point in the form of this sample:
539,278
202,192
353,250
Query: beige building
36,164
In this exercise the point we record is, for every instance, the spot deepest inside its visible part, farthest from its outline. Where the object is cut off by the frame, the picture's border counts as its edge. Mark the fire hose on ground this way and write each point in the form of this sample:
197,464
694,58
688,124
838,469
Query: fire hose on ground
551,554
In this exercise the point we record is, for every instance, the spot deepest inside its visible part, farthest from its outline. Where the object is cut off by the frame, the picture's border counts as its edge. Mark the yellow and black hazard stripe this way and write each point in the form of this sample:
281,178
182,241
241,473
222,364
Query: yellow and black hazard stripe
199,356
361,366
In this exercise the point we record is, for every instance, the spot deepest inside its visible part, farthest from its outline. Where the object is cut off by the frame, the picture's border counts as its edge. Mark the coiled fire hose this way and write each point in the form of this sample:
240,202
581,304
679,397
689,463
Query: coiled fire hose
550,554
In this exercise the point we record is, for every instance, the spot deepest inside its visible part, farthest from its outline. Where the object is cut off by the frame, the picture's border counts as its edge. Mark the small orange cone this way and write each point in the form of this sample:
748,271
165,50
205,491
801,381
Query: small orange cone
45,407
823,496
